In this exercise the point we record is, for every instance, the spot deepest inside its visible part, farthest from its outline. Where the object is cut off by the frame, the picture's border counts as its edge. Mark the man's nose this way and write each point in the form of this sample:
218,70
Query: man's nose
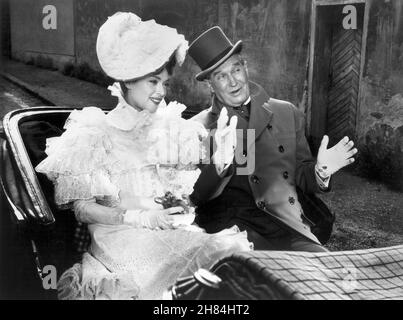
232,80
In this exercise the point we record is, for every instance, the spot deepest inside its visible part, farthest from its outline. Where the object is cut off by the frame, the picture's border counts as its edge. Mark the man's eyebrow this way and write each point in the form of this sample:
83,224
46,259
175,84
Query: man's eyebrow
215,73
155,76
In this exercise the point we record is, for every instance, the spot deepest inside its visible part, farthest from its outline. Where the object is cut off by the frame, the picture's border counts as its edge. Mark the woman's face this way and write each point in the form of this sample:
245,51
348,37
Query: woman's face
147,93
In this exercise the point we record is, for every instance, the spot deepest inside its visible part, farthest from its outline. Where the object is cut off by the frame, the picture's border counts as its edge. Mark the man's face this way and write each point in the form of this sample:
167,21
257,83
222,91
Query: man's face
230,83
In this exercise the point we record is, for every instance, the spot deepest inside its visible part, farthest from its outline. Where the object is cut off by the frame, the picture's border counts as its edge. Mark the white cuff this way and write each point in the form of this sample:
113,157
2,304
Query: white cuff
220,166
322,178
134,218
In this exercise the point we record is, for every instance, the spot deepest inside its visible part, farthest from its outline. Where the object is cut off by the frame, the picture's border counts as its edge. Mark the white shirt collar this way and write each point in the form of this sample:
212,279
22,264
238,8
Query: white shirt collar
247,101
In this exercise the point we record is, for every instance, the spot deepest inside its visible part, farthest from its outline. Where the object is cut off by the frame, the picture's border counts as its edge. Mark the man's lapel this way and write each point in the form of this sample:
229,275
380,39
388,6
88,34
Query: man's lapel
260,116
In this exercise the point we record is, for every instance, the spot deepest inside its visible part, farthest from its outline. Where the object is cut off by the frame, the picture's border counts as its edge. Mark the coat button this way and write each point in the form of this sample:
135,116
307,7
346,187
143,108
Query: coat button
255,179
261,205
285,174
291,200
269,127
281,149
245,153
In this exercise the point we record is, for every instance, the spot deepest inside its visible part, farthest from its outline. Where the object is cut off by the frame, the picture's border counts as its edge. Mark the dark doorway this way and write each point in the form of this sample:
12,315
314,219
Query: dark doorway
335,71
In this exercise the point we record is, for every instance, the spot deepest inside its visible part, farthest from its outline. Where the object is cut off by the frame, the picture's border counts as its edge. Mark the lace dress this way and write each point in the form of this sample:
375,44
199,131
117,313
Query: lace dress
125,159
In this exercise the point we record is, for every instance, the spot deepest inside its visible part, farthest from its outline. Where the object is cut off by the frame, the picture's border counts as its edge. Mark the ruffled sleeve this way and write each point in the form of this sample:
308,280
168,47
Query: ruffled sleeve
177,141
78,161
177,149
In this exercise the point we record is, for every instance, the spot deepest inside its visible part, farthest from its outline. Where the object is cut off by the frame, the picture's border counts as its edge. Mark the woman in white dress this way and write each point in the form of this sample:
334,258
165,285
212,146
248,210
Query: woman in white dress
111,168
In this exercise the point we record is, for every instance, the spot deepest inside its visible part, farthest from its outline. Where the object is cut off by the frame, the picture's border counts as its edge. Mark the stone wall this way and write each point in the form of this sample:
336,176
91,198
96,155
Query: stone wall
32,42
383,71
380,120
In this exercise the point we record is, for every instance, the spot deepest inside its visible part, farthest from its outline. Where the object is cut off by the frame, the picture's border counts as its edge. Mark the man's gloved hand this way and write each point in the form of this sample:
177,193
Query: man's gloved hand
225,138
331,160
152,219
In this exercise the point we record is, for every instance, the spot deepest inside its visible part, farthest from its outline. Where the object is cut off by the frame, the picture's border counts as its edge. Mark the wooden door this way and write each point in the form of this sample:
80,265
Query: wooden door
344,83
335,70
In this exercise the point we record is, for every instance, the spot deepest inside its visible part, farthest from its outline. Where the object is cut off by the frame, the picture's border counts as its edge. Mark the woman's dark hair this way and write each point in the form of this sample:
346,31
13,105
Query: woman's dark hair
169,67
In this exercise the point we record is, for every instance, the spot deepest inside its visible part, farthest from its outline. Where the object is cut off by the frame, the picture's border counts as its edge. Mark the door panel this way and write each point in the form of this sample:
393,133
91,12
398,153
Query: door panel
344,83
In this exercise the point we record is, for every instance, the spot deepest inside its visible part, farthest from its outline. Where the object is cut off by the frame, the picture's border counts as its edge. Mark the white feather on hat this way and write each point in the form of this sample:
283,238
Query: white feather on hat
129,48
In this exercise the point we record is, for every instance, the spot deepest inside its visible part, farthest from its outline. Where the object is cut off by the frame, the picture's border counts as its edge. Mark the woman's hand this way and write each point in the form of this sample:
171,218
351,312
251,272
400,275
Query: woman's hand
225,138
152,219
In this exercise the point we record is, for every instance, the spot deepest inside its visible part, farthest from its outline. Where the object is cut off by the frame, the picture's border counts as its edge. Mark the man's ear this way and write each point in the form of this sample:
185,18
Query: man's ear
209,85
245,65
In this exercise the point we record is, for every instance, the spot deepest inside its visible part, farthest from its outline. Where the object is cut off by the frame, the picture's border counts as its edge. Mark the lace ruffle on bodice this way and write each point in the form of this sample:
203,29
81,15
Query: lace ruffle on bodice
126,151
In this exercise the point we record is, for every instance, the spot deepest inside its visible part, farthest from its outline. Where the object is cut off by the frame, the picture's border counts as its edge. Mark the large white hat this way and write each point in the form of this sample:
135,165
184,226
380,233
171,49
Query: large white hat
128,48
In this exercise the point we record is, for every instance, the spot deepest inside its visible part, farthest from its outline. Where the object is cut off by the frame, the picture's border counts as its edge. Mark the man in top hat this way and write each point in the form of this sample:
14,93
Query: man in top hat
269,136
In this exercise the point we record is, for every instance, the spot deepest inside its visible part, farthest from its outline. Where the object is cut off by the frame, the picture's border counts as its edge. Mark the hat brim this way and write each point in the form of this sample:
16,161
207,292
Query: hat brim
236,49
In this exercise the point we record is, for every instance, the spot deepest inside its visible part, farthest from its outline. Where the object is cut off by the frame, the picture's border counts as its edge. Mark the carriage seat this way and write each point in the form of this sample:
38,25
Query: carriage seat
34,132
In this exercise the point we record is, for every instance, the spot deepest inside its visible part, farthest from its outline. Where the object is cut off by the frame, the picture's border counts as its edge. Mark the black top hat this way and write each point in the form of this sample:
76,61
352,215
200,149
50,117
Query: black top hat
211,49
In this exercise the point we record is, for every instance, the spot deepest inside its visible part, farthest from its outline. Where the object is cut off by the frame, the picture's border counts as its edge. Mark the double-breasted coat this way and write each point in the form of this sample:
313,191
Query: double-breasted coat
280,156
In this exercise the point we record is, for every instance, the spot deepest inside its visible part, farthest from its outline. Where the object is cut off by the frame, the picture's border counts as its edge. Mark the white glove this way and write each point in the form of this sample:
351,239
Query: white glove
331,160
225,138
152,219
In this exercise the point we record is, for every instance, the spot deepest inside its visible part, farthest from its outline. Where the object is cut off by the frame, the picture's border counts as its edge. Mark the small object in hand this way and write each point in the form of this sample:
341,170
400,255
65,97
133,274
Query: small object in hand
169,201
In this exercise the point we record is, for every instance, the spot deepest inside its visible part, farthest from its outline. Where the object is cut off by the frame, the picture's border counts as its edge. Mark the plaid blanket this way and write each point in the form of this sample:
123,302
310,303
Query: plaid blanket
349,275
